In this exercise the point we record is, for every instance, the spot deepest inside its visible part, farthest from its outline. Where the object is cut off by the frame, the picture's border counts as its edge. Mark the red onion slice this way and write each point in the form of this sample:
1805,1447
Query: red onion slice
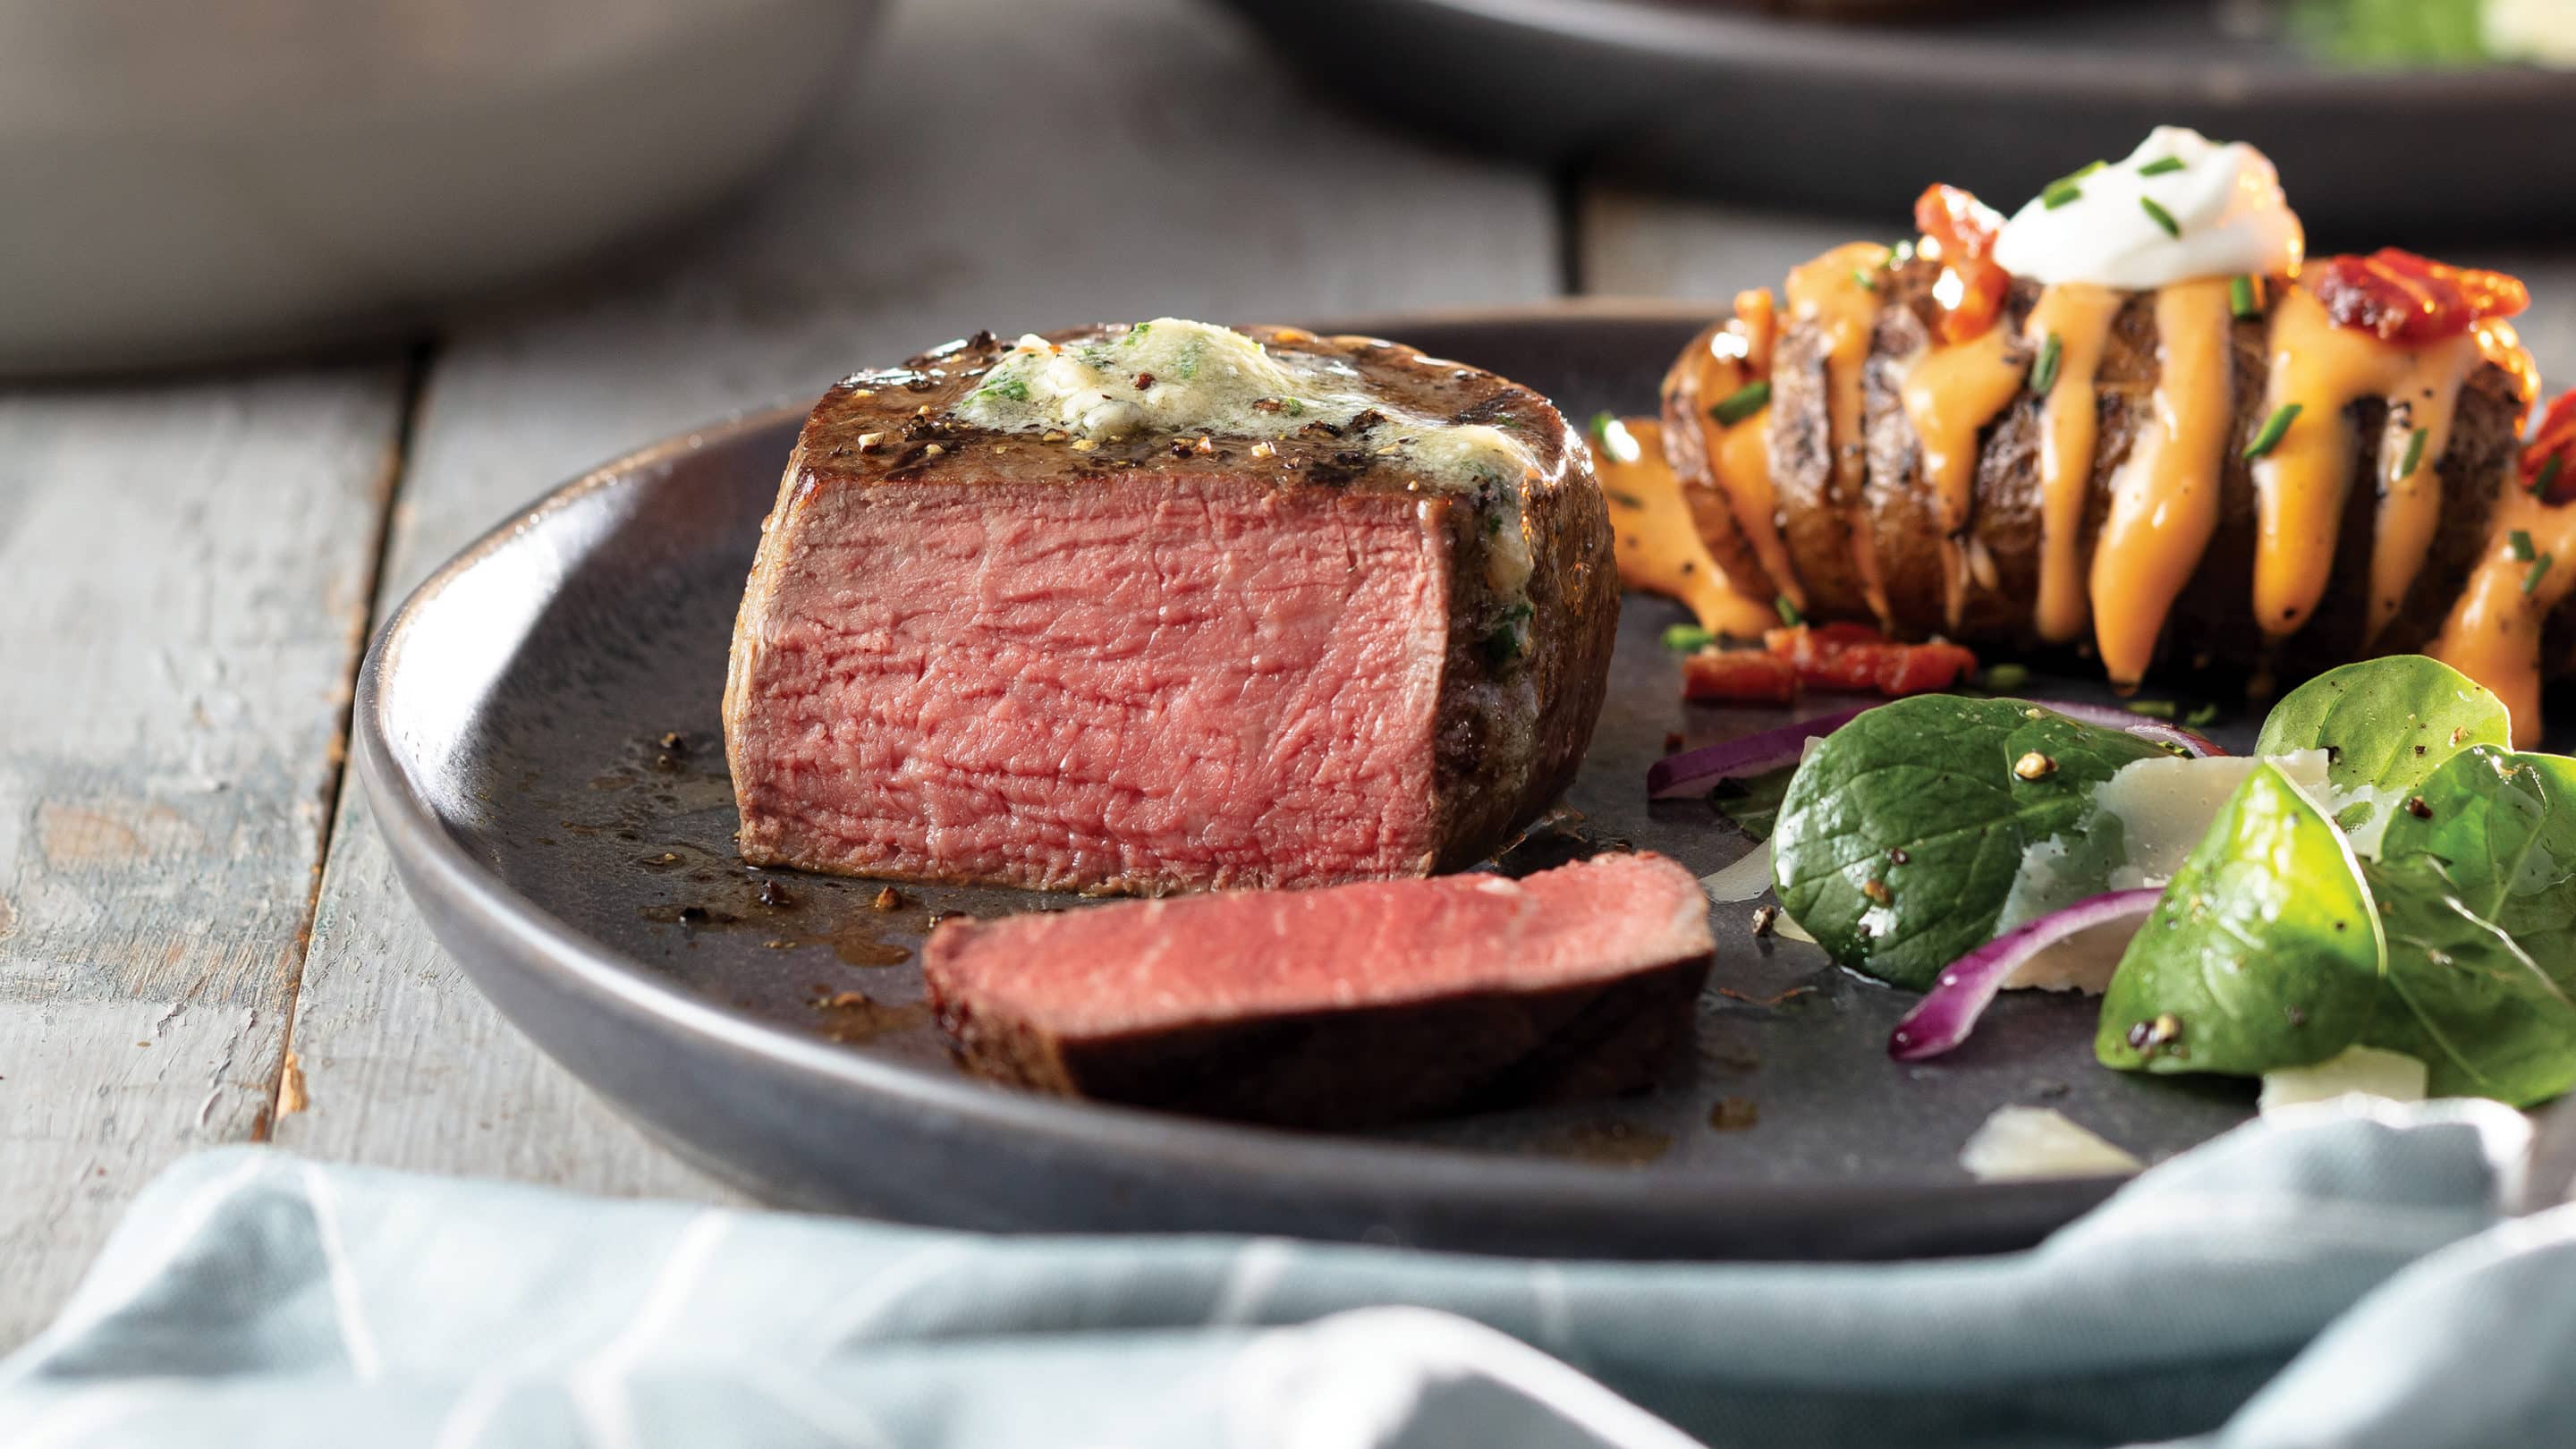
1696,772
2111,717
1949,1011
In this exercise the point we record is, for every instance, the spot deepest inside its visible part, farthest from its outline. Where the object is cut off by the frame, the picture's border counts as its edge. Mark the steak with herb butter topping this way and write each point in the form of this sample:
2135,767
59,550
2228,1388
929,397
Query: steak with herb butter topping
1168,607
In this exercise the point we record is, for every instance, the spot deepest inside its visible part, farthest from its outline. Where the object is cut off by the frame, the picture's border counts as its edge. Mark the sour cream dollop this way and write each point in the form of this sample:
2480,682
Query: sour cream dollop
2229,219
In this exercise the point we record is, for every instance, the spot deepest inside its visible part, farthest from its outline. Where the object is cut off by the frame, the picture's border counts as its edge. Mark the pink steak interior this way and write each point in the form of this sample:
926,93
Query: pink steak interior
1138,681
1120,970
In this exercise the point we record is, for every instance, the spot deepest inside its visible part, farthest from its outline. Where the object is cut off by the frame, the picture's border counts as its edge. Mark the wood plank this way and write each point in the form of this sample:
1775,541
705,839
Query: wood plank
186,571
1058,163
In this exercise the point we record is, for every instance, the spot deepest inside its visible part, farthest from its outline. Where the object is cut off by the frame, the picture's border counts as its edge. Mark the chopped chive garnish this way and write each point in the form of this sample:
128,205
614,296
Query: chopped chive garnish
2078,174
2273,427
1612,437
1864,280
2152,708
1009,387
2160,216
2043,374
2201,716
2539,571
1137,332
1787,611
2414,458
1687,638
2165,167
2004,678
1742,403
2241,298
2060,193
2520,539
2548,474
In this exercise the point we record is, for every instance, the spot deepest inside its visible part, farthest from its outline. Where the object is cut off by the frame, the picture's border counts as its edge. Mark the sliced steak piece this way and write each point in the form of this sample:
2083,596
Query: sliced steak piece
1161,660
1345,1007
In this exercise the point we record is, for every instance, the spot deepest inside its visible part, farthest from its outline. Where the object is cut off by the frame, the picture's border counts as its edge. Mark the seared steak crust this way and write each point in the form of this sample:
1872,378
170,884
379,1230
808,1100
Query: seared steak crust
1523,673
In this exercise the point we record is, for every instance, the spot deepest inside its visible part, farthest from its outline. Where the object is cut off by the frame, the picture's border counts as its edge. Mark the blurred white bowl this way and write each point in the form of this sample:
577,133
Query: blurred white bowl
183,179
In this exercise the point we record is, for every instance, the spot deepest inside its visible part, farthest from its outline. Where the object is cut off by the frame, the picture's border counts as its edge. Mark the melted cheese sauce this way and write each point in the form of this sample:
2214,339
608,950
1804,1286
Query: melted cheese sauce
1740,458
2079,316
1829,292
2300,485
2164,501
2493,632
1950,394
1658,546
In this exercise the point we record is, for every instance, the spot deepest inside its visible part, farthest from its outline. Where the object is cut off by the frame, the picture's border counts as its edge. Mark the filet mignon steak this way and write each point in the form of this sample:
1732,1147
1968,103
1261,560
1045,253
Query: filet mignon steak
1343,1007
1298,610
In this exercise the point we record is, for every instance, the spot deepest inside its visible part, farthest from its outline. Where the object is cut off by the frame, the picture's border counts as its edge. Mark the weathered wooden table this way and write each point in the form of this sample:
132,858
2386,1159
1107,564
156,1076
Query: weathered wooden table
201,939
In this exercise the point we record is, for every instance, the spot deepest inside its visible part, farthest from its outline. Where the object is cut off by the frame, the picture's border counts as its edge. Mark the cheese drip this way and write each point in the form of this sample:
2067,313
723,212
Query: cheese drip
1832,293
1739,457
1658,546
2164,501
2493,632
2300,485
1950,394
2079,315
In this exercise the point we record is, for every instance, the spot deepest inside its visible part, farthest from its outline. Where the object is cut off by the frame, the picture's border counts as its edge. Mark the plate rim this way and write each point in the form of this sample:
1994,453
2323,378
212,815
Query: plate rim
1422,1173
1914,57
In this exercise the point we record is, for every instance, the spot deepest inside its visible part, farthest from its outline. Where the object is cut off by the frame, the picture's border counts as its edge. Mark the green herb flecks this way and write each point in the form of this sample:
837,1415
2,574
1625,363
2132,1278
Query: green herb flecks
1865,280
2161,217
2520,542
2273,430
2539,571
1782,605
1504,642
2414,458
1742,403
1614,440
2165,167
1687,638
2243,299
2043,374
2549,472
1135,334
1004,385
2068,187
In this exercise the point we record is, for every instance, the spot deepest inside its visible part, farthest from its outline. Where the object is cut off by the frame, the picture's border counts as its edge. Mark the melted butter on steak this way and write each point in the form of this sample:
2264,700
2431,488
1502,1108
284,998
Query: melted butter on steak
1176,379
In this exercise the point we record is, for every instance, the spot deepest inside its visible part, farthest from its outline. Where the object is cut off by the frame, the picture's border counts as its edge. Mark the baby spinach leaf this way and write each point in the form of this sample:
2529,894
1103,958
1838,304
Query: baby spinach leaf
1752,802
1901,835
2385,725
2462,997
2263,953
2503,826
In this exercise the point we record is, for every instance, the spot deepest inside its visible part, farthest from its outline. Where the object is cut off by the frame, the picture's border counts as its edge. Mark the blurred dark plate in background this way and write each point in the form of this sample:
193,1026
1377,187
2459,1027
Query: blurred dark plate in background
1733,102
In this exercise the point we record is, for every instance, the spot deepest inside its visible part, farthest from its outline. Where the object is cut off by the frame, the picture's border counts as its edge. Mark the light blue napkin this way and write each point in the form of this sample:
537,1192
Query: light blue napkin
2336,1276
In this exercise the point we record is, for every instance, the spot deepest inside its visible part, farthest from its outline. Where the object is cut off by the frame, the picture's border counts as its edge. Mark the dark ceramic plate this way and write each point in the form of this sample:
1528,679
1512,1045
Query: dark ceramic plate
1708,96
540,740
